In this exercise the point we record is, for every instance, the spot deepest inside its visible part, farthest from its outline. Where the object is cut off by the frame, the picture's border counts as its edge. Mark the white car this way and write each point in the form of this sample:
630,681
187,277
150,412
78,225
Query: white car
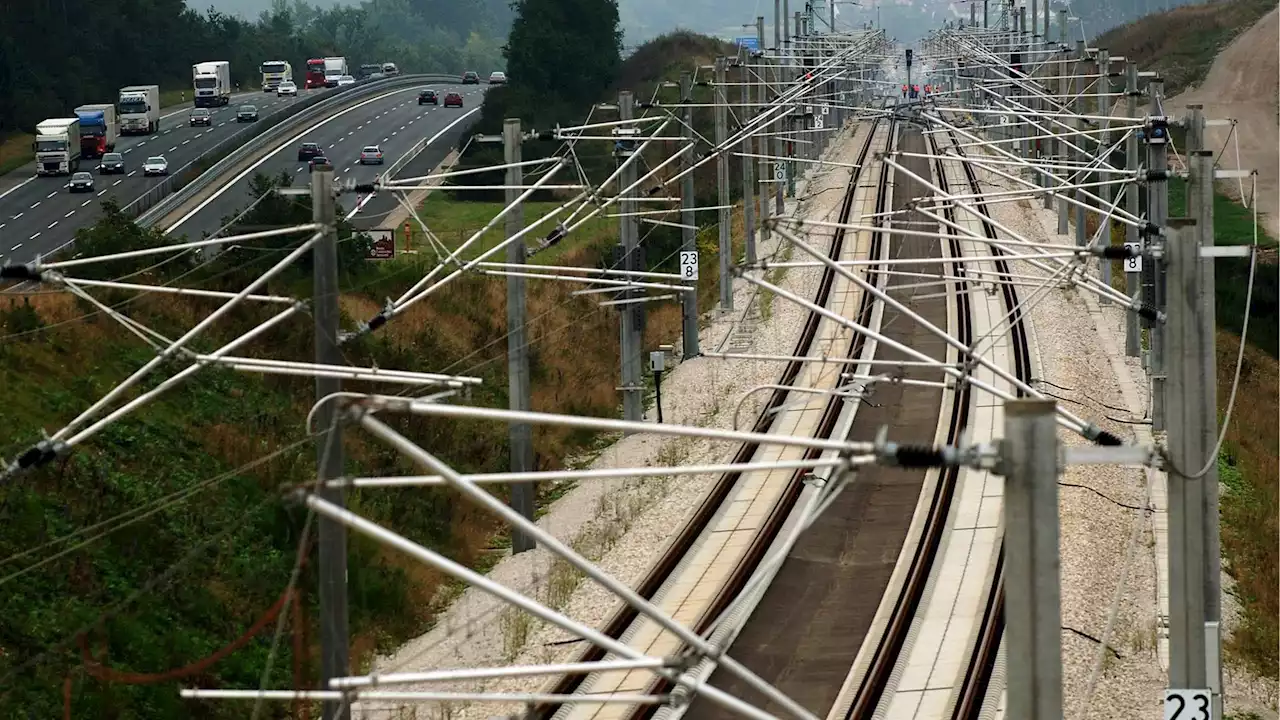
497,78
346,80
287,88
156,165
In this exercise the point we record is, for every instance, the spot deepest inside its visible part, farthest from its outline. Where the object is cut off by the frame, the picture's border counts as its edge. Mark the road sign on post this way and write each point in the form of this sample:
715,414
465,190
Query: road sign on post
749,42
1133,264
383,246
780,172
689,265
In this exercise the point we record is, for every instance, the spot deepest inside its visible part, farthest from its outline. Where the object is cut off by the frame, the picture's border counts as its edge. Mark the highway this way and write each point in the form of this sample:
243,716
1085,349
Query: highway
38,214
394,122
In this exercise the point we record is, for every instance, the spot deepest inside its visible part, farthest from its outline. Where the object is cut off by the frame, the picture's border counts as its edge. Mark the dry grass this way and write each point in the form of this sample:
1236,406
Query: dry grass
1249,505
1181,44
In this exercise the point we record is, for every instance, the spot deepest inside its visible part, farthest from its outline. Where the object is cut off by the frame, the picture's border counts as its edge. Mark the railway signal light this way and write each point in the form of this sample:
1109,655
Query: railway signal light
908,57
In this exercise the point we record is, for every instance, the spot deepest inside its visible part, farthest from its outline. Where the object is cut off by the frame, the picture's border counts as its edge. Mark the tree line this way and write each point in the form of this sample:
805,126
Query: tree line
58,54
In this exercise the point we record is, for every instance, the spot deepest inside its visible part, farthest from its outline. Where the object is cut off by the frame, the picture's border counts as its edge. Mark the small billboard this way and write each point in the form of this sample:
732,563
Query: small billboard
383,246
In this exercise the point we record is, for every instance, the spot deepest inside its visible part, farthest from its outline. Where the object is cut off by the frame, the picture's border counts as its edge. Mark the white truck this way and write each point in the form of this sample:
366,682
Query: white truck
99,129
212,82
57,146
139,108
334,68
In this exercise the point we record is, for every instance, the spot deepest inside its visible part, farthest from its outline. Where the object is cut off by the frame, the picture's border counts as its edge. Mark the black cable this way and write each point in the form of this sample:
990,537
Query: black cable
1103,496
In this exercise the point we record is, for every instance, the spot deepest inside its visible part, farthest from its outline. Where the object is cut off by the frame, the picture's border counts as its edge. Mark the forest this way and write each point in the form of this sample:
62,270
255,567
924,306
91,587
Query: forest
57,54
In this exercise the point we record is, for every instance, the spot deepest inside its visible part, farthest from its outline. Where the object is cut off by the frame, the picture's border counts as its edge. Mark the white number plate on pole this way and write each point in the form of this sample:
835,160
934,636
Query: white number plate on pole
1133,264
780,172
826,109
1188,705
817,122
689,265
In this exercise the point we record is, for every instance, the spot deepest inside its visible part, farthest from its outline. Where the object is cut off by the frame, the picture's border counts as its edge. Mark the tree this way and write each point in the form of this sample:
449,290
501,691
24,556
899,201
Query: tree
564,51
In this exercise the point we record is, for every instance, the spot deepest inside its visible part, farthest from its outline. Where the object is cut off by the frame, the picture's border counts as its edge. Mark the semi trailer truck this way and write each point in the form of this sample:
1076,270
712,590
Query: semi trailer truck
139,109
57,146
99,129
334,68
212,82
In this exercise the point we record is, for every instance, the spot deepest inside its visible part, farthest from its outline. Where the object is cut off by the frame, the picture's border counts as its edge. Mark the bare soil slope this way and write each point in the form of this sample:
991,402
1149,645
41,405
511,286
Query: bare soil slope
1243,84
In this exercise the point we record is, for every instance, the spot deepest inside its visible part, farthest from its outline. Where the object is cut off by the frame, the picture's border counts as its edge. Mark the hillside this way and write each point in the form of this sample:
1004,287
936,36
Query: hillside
160,542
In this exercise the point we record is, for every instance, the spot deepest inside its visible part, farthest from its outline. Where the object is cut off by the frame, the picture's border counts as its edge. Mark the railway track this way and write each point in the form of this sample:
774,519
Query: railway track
877,544
972,692
778,412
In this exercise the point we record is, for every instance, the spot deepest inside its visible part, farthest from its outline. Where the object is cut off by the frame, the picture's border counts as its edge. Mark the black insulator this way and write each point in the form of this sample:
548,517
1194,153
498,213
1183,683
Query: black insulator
917,456
1107,439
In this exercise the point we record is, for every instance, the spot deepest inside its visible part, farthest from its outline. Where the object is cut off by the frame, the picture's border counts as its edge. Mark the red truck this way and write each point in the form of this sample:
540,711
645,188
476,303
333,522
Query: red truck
315,73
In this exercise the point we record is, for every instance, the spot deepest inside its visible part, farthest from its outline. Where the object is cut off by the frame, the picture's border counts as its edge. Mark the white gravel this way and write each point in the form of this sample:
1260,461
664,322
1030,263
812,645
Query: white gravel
621,525
1080,343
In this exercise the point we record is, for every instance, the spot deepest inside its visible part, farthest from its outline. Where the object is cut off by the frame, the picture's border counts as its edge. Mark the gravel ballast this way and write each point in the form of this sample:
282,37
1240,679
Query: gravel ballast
622,525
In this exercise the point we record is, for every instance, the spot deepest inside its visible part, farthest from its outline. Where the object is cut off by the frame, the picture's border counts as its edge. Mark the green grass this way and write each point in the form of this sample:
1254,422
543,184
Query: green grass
453,222
1181,44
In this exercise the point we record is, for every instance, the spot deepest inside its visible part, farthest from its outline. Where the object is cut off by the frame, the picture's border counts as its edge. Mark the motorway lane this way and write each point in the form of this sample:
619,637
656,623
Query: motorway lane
373,212
39,215
395,123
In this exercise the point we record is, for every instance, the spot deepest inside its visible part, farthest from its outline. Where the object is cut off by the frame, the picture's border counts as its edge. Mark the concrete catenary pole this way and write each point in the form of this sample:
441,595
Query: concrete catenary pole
748,164
688,234
630,315
335,652
1132,324
722,183
1190,418
520,435
762,141
1104,191
1200,206
1033,595
1153,280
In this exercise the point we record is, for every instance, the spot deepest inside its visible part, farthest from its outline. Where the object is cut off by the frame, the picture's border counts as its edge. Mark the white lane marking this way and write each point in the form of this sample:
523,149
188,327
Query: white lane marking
175,147
15,247
55,222
184,142
127,150
144,142
2,226
131,174
15,217
299,170
55,192
166,132
36,204
198,135
69,213
282,146
15,187
385,139
86,202
118,182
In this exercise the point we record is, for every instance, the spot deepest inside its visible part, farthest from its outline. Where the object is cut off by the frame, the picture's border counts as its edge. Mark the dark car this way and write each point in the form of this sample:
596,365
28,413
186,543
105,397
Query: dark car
428,97
247,113
453,100
309,150
81,182
201,116
318,161
471,77
112,164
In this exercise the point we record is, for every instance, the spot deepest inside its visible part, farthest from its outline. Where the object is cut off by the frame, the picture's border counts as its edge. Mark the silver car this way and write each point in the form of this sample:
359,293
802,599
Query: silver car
155,165
371,155
287,88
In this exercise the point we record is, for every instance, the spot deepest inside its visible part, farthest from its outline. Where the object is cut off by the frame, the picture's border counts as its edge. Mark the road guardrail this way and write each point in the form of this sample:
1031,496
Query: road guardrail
210,165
